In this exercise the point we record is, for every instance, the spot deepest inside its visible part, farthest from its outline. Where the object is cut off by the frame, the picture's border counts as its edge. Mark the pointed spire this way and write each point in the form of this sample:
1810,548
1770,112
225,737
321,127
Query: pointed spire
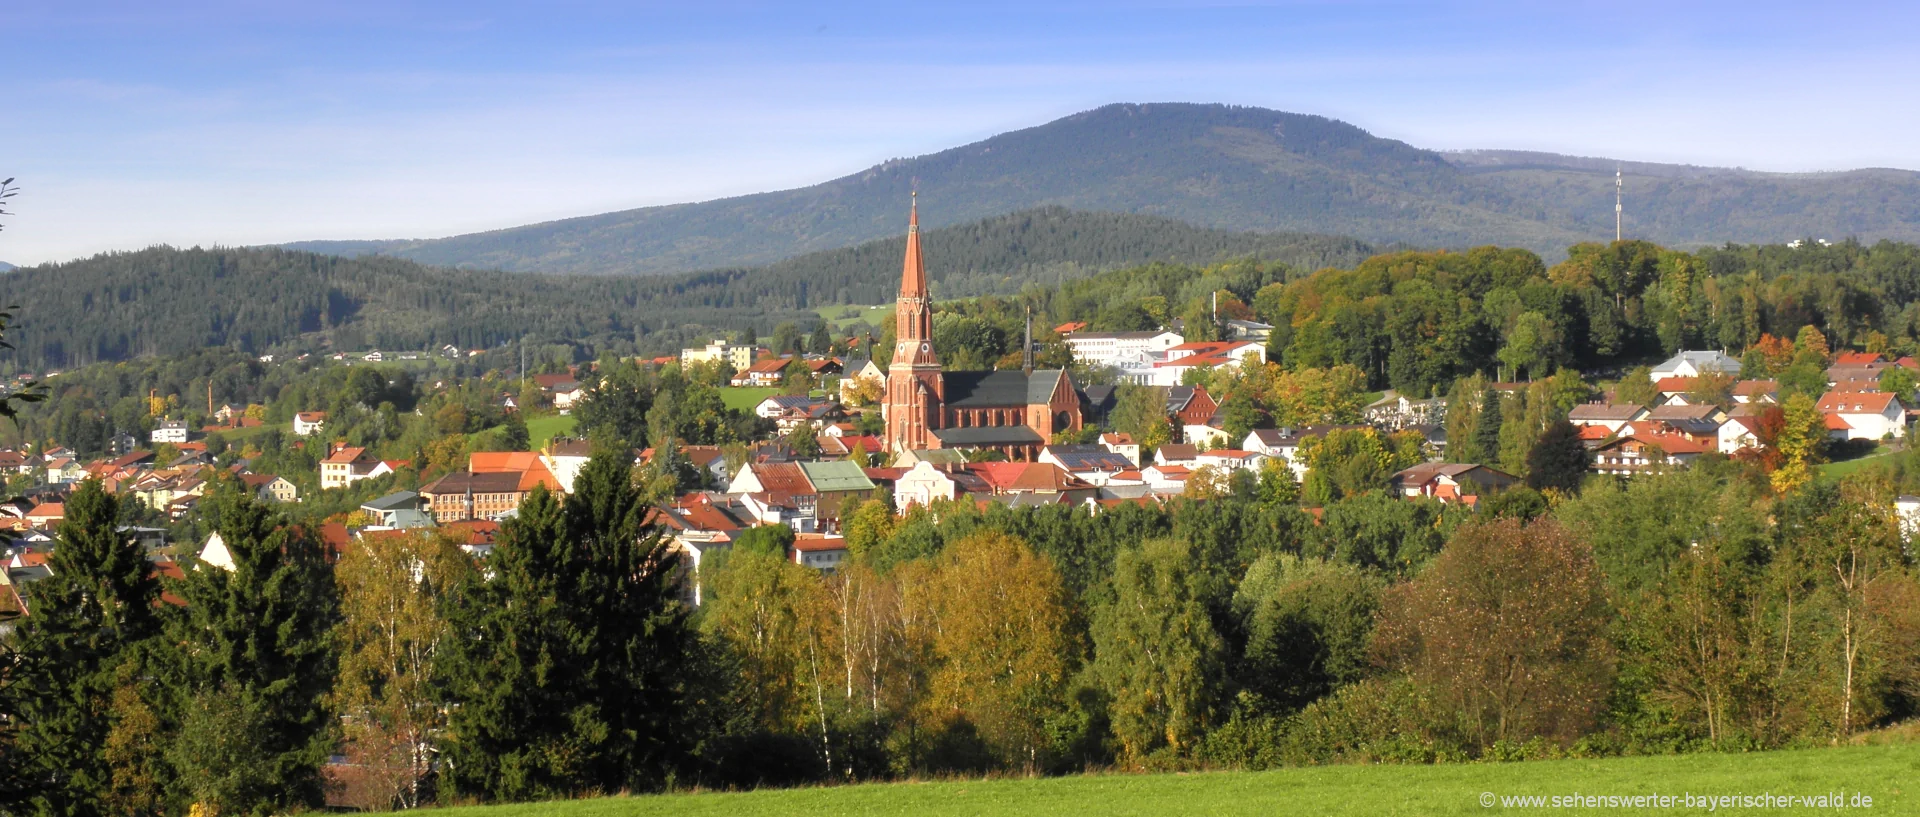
913,278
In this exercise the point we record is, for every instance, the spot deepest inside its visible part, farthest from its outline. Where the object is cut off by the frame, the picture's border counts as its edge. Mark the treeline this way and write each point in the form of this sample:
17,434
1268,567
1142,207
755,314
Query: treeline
166,301
1693,611
1418,321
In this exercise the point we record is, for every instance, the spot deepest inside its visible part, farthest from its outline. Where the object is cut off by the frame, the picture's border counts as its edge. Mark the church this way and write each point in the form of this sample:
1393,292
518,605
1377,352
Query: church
1014,412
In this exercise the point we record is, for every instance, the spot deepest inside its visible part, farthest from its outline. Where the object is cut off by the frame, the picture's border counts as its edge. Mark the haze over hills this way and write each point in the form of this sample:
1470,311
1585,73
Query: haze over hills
6,267
1225,167
169,301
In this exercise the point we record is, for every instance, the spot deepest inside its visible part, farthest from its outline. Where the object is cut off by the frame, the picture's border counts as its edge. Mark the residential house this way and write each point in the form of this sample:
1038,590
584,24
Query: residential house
1183,454
170,432
1756,391
1450,481
777,493
564,457
700,524
1038,482
1394,411
1610,416
855,371
819,551
269,488
1699,422
1738,433
1673,391
837,486
1166,479
64,471
763,373
926,482
1229,460
1092,463
346,465
309,423
1856,378
1122,443
1864,415
46,514
1639,453
1696,363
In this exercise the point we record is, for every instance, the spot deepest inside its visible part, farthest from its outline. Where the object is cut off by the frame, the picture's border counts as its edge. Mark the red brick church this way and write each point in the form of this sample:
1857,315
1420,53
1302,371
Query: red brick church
1015,412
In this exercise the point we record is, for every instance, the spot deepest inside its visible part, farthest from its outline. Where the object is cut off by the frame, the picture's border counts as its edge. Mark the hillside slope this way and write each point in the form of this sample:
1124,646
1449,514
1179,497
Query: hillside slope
1235,168
167,301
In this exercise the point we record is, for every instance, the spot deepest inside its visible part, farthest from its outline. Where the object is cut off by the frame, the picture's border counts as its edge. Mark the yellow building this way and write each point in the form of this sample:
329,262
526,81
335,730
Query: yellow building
735,355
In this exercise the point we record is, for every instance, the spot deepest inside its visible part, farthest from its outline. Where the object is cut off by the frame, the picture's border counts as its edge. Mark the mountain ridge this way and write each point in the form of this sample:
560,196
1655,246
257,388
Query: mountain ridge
1217,166
165,300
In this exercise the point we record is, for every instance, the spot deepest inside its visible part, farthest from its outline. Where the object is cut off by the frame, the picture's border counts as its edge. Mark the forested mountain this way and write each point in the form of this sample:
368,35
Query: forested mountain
1219,166
168,301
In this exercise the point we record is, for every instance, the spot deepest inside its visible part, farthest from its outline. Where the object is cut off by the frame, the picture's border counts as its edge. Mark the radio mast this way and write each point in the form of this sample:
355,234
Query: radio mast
1616,203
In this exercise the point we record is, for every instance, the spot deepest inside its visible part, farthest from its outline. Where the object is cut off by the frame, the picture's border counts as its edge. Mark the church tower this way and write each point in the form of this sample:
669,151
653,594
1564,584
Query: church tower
915,388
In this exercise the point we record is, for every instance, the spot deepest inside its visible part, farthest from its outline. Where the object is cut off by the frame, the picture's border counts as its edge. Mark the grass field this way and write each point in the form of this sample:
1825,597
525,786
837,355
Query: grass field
1889,774
874,315
542,429
744,398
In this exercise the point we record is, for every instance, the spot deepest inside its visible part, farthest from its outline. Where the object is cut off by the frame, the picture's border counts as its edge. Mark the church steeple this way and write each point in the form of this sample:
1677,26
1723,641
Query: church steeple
915,388
913,313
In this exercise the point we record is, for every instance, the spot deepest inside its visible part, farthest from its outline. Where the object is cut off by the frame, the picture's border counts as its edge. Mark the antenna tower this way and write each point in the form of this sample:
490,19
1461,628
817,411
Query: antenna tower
1616,203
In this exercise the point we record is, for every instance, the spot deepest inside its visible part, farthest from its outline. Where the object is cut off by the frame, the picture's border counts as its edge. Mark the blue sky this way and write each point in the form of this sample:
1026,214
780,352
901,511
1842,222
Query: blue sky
130,124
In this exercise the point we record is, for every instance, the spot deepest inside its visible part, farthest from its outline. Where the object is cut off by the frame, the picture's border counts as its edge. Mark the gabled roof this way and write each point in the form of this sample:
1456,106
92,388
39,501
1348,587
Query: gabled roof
1088,458
347,455
783,478
1855,402
836,476
1708,360
461,482
528,465
1670,443
1703,411
1003,388
769,366
1675,385
1857,358
1178,451
1604,411
1756,388
396,501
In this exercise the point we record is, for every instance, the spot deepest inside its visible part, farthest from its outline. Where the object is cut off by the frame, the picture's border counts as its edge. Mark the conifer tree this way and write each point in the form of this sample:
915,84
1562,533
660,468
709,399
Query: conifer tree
252,661
1559,460
87,618
1486,434
573,659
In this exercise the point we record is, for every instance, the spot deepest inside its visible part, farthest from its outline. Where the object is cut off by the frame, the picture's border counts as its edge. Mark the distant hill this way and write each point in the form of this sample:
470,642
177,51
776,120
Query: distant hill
1218,166
168,301
6,267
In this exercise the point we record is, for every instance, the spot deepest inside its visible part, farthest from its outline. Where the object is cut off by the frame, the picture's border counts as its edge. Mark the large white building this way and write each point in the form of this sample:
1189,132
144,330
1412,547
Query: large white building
1132,353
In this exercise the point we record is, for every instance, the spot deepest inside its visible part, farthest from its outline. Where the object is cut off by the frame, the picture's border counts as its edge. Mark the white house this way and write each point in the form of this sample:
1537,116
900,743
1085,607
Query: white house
1737,433
1610,416
819,551
1694,364
170,431
1868,415
308,423
1228,459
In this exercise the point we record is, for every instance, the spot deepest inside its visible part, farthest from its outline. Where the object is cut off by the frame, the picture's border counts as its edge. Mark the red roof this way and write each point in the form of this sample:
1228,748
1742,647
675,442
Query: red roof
772,366
1069,326
1855,402
474,531
1857,358
1670,443
1837,423
346,455
817,542
527,464
1674,385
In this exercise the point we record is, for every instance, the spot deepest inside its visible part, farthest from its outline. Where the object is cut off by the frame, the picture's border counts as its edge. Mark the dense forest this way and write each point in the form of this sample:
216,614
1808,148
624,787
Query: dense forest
1221,166
166,301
